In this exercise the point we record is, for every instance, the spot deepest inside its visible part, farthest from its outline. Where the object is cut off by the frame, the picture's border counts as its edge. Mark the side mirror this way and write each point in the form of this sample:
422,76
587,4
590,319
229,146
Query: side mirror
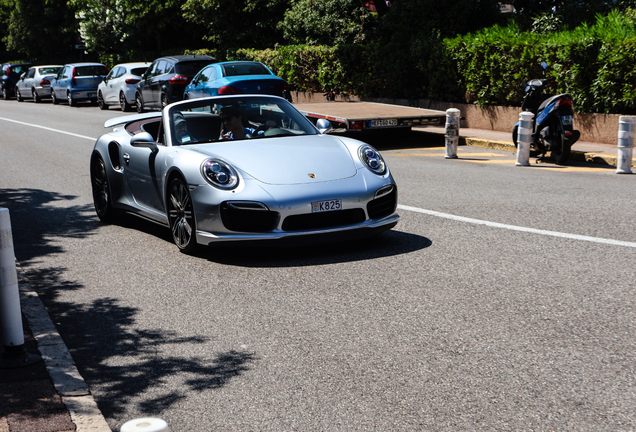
324,126
144,140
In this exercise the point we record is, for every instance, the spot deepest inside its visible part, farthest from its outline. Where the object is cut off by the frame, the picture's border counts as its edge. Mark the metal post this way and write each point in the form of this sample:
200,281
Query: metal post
147,424
452,132
524,138
15,354
625,144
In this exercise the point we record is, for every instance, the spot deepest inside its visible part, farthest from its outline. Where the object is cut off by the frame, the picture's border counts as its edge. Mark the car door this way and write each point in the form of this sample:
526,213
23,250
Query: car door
144,85
23,83
142,171
107,89
58,85
156,82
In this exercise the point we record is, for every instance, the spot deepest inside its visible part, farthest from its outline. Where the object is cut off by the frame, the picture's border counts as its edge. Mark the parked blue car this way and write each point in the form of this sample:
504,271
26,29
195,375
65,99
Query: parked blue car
77,82
235,77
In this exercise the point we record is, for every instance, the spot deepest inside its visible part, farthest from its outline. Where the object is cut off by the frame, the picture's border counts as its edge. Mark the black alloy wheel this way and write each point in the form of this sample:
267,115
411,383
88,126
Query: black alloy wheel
140,103
181,216
101,191
123,103
100,101
36,97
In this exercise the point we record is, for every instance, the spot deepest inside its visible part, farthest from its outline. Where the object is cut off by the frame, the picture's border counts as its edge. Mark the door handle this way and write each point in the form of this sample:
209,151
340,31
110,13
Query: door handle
126,158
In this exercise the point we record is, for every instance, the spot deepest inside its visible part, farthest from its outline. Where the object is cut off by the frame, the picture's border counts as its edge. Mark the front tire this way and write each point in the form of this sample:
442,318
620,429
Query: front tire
560,149
101,191
181,216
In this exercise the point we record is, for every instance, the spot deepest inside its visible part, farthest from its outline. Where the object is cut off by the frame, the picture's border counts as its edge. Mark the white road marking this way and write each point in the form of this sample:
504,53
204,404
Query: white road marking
518,228
49,129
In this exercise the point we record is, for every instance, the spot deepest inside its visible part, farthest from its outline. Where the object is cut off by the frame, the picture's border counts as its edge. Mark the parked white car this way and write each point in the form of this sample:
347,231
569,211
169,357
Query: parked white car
36,83
118,87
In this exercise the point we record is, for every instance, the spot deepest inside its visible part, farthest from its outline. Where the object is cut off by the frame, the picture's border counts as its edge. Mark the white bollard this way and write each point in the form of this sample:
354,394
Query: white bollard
14,355
625,144
524,138
147,424
451,132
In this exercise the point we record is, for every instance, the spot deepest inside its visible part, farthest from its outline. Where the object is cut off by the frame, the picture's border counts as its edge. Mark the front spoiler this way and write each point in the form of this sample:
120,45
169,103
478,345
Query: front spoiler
291,238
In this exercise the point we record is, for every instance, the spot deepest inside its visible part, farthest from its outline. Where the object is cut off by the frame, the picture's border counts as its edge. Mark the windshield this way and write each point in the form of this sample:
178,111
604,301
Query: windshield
235,118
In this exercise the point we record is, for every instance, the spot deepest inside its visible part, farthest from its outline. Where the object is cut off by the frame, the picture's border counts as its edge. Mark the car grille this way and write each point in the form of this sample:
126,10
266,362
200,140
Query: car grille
248,217
383,206
323,220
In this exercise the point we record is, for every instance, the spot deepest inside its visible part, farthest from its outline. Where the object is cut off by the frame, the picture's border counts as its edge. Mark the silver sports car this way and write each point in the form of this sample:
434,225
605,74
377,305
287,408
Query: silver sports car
241,168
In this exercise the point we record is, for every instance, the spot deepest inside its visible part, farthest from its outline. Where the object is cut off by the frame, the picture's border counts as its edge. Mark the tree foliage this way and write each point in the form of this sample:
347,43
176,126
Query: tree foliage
238,23
326,22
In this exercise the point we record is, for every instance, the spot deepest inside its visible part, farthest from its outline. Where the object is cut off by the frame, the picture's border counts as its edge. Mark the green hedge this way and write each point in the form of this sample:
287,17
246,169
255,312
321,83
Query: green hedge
596,64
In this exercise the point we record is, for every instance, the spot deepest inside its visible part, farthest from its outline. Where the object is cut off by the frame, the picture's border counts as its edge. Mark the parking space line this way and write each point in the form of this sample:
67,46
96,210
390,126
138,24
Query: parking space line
518,228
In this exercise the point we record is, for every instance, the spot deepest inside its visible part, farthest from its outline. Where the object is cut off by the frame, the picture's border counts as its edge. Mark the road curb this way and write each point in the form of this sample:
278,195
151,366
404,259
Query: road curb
67,380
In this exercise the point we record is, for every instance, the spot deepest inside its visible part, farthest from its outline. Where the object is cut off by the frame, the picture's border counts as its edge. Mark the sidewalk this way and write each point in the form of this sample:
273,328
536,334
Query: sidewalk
51,396
582,151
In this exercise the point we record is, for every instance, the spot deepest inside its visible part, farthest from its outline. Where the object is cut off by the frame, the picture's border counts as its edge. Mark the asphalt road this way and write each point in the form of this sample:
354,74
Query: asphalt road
440,324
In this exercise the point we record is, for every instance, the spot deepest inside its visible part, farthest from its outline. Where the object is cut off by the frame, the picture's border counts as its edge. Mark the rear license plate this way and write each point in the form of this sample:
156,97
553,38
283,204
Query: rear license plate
383,122
567,120
327,205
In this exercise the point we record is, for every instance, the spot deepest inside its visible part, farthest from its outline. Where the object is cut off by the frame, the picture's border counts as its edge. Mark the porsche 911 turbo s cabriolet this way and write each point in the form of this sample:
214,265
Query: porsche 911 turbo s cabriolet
246,168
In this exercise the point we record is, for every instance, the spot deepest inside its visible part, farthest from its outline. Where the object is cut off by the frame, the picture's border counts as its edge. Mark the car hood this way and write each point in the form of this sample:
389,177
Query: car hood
286,160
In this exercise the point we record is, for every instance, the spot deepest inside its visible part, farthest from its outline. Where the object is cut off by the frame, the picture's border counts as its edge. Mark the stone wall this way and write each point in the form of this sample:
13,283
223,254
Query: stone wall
601,128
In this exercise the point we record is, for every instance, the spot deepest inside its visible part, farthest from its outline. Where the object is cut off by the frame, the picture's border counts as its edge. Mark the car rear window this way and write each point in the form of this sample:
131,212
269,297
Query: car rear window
19,69
138,71
244,69
192,67
90,70
49,70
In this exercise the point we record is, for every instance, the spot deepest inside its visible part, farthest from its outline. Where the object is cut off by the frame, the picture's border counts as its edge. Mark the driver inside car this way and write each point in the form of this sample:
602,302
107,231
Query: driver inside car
233,121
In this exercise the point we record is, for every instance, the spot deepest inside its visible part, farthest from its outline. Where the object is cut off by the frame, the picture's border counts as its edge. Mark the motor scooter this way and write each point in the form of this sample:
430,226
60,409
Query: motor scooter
553,126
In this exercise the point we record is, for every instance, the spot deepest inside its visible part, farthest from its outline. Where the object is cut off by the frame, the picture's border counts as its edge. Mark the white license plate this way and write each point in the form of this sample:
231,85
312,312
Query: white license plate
327,205
567,120
383,122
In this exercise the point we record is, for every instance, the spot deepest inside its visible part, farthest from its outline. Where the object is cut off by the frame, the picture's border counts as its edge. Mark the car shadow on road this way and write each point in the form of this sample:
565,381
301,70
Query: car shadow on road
387,244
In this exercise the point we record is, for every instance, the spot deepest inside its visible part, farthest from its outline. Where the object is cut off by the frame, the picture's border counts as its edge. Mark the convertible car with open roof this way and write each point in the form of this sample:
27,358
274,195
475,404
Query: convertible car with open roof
277,178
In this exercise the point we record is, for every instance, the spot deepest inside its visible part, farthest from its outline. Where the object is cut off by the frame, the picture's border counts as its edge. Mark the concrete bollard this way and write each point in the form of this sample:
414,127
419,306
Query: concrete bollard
451,133
15,354
147,424
625,144
524,138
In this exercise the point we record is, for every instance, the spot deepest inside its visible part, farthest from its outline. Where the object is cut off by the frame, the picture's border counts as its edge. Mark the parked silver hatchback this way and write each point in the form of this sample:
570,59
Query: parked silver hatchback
36,83
118,88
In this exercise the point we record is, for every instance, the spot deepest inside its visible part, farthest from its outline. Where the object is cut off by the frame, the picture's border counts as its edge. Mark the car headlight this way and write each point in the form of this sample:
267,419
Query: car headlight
372,159
219,174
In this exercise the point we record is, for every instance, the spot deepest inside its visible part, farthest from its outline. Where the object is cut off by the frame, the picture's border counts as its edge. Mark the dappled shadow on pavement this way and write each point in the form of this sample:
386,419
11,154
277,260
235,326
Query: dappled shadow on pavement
37,216
102,336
